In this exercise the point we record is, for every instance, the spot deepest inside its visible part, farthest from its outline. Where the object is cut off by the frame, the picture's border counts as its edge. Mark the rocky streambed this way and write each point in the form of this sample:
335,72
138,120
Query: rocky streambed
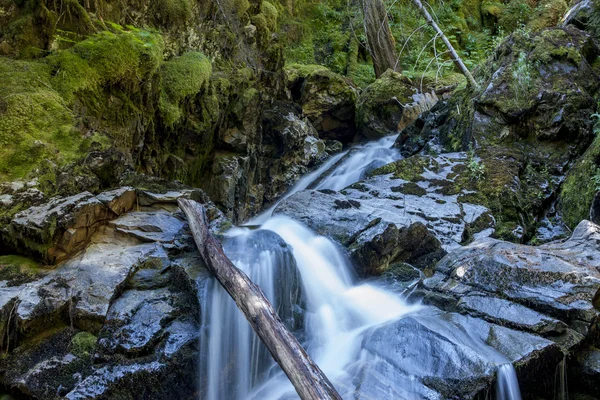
119,315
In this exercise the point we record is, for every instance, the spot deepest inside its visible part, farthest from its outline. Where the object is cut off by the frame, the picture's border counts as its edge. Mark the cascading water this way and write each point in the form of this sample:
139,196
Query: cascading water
314,290
359,162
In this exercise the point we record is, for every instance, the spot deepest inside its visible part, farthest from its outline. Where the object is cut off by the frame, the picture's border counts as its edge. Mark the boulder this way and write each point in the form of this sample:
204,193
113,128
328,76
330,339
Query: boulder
389,104
326,98
291,146
437,355
547,290
121,313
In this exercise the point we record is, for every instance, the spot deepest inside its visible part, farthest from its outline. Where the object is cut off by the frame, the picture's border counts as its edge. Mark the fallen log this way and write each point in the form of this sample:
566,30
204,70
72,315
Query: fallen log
308,379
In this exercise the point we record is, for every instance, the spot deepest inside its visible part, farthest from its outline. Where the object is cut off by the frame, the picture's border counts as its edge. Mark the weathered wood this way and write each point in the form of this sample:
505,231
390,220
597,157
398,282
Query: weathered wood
308,379
379,36
455,58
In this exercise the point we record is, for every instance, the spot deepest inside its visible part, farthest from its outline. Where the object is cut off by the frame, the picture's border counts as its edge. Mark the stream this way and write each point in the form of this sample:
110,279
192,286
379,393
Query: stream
313,286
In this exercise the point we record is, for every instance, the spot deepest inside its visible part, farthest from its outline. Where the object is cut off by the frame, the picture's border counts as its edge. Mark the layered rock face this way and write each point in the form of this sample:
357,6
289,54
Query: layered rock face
120,319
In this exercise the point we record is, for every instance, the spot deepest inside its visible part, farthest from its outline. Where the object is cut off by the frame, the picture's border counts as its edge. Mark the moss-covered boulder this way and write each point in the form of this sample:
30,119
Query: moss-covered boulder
388,105
525,127
326,98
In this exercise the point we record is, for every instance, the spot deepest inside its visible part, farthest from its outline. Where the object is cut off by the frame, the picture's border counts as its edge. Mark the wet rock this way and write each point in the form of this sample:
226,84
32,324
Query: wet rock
584,373
510,314
59,227
326,98
123,288
447,355
149,226
547,289
120,200
376,217
414,244
389,105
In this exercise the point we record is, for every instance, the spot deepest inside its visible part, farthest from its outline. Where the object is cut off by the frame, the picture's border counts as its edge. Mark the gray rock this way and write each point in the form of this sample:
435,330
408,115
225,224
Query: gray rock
448,355
151,226
507,313
374,217
58,228
119,200
558,279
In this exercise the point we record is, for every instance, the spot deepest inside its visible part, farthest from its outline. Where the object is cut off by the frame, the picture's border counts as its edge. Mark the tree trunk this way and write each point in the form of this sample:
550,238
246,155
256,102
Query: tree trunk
379,36
308,379
455,58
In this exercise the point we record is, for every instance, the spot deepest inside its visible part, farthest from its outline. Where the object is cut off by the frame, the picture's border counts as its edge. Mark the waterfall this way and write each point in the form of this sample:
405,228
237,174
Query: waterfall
315,291
360,161
235,359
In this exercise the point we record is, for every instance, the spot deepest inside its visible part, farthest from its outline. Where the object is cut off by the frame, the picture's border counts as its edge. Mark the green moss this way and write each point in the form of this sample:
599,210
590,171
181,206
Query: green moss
182,77
410,188
579,187
172,12
410,169
18,270
271,14
83,344
554,44
121,57
295,71
547,13
35,122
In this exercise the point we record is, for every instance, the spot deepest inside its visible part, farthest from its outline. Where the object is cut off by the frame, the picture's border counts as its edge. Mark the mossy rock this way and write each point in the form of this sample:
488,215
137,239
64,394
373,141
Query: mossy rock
579,187
35,122
327,99
381,105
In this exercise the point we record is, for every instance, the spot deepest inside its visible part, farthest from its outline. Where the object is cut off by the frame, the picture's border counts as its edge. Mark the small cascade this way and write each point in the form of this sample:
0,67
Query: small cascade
507,386
561,387
360,161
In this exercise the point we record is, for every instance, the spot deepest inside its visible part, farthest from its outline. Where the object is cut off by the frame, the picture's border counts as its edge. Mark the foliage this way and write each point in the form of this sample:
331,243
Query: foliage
521,75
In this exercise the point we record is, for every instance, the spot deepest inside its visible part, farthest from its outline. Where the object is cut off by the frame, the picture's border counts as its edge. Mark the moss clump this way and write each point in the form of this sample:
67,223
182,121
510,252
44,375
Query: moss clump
295,71
379,108
172,12
122,57
579,187
18,270
35,122
410,188
83,344
182,77
271,15
410,169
